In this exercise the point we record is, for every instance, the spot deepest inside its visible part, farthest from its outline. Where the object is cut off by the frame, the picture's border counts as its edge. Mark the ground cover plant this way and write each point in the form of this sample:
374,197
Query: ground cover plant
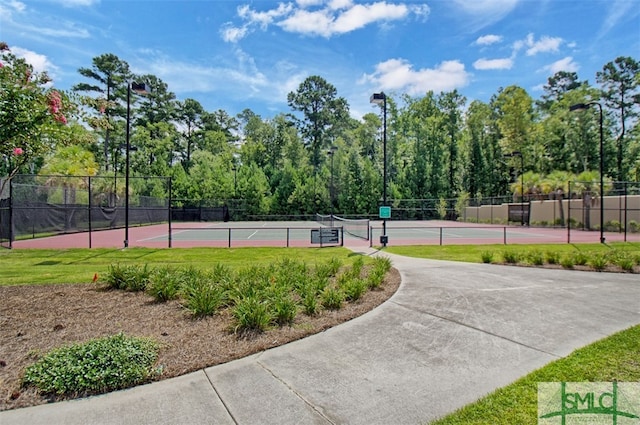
614,358
199,311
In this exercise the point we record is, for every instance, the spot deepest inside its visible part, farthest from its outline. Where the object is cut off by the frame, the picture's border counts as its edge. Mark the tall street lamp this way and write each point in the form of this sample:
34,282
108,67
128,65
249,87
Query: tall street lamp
139,88
331,153
583,107
516,154
380,99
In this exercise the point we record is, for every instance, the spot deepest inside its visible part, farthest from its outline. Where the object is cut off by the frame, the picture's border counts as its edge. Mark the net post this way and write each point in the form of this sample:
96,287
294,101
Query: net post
504,236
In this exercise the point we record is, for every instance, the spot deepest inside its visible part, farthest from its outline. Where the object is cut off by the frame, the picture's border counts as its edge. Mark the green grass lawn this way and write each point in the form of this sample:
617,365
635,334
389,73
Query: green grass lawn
613,358
472,253
41,266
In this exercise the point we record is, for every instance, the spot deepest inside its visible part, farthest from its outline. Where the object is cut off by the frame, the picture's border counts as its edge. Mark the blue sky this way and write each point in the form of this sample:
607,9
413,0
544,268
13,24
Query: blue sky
234,54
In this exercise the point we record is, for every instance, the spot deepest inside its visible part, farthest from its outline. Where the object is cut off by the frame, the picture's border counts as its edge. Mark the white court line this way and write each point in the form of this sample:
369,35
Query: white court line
253,234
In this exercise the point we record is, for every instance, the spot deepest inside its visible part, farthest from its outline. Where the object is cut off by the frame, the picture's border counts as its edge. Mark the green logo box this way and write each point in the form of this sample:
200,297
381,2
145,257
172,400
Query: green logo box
593,403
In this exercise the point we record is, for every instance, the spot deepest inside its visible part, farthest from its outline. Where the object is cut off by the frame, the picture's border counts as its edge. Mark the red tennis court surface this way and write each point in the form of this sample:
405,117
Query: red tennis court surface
298,234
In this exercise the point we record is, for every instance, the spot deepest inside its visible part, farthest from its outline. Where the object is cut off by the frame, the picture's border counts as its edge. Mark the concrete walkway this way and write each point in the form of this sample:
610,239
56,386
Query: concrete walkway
451,334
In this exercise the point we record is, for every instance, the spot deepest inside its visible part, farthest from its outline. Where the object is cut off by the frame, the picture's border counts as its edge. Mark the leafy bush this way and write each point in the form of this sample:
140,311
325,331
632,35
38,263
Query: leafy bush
580,258
332,298
283,309
598,262
567,261
251,314
164,284
310,303
633,226
354,288
552,257
356,268
202,296
375,278
96,366
128,277
536,258
487,257
511,257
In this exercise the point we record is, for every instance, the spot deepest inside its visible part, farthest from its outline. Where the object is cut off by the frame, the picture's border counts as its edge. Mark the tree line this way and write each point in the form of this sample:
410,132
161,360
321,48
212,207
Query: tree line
316,157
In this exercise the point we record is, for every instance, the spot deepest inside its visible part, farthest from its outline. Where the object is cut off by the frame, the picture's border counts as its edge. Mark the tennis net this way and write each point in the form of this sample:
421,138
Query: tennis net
354,227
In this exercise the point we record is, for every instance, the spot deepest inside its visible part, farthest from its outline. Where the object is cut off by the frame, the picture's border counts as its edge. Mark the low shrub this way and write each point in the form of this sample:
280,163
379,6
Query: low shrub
487,257
580,258
165,284
354,288
511,257
202,296
598,261
375,278
310,303
567,261
552,257
251,314
332,298
283,309
536,258
93,367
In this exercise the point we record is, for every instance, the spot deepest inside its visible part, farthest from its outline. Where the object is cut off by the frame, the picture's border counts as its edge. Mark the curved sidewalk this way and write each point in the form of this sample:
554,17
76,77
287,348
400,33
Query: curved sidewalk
452,333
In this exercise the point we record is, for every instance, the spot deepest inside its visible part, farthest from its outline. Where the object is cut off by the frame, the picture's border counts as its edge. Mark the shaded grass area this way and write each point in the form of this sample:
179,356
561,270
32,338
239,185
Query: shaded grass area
42,266
473,253
611,359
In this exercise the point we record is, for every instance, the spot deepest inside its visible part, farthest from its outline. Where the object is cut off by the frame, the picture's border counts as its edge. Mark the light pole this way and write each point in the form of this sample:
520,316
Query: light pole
582,107
331,153
381,99
139,88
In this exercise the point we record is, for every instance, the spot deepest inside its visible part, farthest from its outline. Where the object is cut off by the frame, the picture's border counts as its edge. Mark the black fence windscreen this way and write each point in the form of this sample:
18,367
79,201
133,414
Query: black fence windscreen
46,205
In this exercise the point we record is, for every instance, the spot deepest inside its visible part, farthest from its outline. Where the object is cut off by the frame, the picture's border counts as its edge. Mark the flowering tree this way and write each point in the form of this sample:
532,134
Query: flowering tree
33,116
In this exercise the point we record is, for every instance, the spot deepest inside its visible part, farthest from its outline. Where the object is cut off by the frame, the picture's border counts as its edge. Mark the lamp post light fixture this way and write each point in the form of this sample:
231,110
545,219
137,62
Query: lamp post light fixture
583,107
331,153
140,88
380,99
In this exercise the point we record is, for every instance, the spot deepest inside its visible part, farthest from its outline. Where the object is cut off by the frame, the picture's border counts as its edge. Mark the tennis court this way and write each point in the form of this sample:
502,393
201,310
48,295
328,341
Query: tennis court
299,234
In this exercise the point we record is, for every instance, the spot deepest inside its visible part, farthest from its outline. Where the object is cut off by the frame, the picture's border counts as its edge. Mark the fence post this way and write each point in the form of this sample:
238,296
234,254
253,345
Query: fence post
287,237
229,237
170,195
89,186
504,230
10,213
440,236
569,215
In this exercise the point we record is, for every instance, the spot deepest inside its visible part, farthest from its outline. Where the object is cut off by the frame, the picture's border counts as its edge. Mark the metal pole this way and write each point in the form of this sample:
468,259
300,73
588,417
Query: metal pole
126,175
170,194
601,176
384,165
89,212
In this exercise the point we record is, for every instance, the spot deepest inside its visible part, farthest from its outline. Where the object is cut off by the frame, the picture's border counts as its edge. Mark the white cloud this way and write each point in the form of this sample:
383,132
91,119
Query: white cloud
618,10
18,6
398,74
39,62
232,34
488,64
543,45
488,39
319,18
77,3
566,64
482,13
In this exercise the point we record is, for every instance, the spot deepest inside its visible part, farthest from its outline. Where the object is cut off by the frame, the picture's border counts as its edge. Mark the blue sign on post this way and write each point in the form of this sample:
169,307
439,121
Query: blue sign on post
385,212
